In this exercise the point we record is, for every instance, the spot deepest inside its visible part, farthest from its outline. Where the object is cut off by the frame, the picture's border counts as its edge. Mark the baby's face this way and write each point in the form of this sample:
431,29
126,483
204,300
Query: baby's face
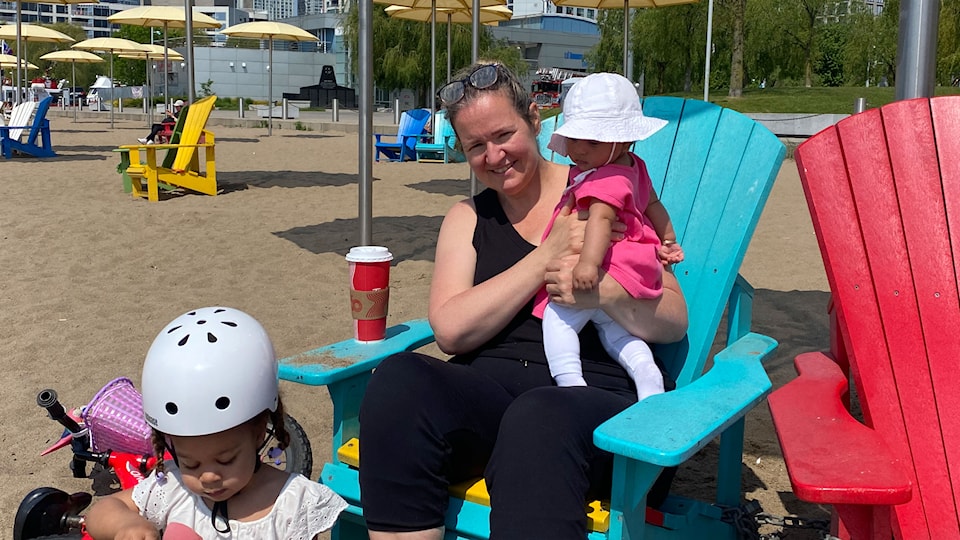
589,154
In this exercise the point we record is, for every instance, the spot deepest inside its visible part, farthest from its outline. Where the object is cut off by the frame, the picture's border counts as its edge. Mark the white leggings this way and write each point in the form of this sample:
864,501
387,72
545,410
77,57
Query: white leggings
561,344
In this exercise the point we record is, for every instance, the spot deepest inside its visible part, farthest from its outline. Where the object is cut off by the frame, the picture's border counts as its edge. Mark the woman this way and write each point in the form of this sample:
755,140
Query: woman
492,410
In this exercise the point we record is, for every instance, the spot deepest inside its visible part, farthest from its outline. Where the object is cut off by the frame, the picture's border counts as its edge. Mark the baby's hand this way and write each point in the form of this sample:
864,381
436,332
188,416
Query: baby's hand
670,254
585,276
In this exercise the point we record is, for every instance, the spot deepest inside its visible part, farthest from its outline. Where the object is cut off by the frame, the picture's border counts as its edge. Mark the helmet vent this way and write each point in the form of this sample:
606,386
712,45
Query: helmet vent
211,338
223,402
231,324
219,310
183,341
174,329
201,322
171,408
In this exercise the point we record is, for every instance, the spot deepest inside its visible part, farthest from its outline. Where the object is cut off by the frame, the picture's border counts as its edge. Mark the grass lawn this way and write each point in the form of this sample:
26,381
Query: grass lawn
818,100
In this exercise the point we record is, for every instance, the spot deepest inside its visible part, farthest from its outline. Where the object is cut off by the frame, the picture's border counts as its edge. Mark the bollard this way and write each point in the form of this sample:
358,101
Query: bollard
284,107
240,106
336,110
859,105
120,105
396,111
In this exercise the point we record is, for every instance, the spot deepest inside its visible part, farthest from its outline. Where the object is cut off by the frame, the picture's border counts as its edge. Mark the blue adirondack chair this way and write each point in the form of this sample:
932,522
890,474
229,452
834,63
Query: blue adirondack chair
547,127
441,144
408,134
40,127
715,189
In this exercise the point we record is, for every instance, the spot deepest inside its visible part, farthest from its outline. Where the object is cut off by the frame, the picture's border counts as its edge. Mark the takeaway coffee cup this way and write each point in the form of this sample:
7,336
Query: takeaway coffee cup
369,291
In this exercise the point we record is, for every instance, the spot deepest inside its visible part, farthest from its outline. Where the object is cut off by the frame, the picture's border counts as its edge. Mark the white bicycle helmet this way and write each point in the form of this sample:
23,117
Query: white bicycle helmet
209,370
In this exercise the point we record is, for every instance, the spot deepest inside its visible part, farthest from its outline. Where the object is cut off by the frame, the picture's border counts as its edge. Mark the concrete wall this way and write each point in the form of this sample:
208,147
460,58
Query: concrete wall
292,70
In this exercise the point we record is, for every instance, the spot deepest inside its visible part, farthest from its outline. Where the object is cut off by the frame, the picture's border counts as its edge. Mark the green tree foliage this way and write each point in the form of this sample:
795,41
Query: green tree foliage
831,42
668,45
402,51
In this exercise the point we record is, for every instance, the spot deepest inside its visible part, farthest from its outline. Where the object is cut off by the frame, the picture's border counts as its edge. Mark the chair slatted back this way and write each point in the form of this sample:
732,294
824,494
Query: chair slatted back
19,117
883,188
175,138
38,120
713,168
196,120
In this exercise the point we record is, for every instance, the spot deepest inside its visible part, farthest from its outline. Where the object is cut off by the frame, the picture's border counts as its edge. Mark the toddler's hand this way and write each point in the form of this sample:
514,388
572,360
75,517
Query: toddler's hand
585,276
670,254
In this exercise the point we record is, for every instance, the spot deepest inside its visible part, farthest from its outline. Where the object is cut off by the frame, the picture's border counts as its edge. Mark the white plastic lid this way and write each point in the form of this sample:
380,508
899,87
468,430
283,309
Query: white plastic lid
369,254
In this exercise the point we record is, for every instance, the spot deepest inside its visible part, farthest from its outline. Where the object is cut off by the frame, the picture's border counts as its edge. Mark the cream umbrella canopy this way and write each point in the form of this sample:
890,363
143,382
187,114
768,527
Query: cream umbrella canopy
488,15
29,32
625,5
432,6
111,46
166,17
73,56
9,60
269,30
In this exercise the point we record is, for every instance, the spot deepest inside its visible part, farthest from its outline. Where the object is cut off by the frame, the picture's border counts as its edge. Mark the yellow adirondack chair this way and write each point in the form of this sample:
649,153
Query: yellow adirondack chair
185,171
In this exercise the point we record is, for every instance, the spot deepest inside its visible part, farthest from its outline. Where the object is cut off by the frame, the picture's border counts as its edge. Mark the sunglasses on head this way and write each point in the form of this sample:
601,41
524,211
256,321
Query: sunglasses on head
483,77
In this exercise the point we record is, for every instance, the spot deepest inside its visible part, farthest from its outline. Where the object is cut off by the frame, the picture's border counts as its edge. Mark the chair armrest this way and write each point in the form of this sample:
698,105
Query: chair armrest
353,357
831,457
669,428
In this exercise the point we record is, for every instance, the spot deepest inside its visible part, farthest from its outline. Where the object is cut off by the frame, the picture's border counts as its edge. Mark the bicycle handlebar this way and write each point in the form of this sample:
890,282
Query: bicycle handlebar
47,399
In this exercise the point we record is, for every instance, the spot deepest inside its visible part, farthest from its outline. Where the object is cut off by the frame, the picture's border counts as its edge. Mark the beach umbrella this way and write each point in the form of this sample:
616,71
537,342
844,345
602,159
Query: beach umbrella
24,33
151,52
432,6
9,60
625,5
269,30
73,56
488,15
166,17
111,46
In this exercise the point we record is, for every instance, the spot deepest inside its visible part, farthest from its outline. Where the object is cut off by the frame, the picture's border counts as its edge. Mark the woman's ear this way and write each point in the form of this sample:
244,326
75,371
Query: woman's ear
534,113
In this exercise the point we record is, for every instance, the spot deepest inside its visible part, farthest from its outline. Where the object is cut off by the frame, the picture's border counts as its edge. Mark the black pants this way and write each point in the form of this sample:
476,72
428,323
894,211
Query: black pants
425,424
156,129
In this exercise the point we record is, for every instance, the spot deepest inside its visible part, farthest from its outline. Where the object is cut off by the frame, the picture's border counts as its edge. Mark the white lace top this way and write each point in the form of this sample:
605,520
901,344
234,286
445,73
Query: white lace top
303,509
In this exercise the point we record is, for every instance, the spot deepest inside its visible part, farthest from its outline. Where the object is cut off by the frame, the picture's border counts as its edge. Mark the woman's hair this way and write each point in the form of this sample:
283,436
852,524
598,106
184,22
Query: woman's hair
507,84
276,420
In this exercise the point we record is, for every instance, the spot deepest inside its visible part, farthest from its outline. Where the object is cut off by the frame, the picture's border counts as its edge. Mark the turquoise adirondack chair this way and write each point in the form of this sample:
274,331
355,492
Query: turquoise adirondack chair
404,145
39,129
441,144
715,188
883,189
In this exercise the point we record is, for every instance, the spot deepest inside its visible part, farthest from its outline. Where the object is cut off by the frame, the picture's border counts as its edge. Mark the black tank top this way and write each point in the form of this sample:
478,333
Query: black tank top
499,246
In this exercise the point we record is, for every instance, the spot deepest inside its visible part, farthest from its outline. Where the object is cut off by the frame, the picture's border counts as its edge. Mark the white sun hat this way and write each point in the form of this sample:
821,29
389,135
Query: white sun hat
603,107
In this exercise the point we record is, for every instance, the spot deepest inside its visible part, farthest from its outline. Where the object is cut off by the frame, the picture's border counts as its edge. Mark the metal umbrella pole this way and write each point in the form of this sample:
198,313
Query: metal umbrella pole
365,61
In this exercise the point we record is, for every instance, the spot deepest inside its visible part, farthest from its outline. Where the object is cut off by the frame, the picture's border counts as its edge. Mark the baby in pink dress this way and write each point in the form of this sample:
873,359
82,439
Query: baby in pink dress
602,119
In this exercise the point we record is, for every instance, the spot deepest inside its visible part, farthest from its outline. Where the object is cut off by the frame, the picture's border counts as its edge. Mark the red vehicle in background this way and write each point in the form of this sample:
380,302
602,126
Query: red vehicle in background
545,92
551,85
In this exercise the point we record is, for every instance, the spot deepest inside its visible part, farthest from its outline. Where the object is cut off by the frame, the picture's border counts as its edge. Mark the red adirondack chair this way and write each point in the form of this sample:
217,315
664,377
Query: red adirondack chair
883,189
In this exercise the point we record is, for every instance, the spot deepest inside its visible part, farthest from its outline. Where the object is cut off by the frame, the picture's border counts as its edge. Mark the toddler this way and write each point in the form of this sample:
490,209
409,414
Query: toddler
209,388
602,119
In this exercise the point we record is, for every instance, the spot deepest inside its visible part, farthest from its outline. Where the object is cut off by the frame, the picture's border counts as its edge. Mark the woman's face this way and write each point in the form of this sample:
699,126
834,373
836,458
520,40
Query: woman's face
499,144
218,466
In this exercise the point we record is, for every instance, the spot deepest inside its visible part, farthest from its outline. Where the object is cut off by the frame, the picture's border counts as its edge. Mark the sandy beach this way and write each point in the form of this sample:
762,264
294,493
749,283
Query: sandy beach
89,275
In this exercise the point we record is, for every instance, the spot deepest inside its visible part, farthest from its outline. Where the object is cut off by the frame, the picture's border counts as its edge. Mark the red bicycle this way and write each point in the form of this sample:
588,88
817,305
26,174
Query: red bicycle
113,419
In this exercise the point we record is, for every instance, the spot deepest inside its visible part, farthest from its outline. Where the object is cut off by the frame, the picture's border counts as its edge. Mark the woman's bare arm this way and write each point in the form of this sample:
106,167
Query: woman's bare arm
464,316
